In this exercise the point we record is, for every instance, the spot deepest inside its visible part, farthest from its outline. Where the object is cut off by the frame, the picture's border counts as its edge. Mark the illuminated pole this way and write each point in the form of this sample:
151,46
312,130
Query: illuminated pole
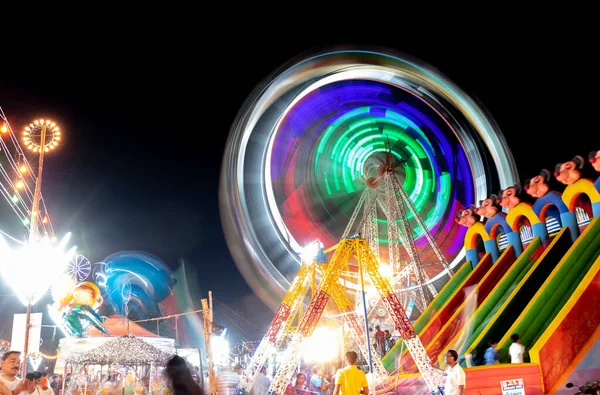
364,300
38,189
207,313
45,128
26,346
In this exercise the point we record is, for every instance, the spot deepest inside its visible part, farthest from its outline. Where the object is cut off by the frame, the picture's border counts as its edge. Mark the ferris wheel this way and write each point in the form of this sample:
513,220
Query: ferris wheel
307,140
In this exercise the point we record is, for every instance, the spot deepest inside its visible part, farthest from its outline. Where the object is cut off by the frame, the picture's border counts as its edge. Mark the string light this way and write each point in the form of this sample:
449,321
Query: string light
46,356
15,162
166,317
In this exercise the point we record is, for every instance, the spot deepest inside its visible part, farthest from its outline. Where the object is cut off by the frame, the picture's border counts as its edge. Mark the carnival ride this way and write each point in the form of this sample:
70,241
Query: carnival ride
386,193
309,143
304,145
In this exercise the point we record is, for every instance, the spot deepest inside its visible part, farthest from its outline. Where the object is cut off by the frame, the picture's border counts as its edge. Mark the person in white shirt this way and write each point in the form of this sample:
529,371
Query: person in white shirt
456,378
11,365
516,349
261,383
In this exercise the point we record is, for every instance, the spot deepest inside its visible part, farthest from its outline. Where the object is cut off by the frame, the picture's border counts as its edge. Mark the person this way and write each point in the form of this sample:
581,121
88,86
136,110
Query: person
237,369
56,384
455,375
227,381
516,349
180,377
380,340
388,341
30,383
350,380
491,355
44,387
318,383
4,389
299,387
11,365
196,374
261,383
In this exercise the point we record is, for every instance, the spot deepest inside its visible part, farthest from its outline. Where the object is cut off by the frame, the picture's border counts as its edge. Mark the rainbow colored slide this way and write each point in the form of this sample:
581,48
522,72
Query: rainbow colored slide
438,312
549,295
555,291
491,304
512,303
470,297
391,358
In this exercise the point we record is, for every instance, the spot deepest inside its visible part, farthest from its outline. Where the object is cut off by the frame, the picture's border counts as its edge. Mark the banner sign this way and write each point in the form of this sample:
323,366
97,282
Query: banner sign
512,387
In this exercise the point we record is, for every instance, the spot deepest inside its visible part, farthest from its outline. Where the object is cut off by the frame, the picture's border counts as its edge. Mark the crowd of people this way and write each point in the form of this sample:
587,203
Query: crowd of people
382,341
38,382
348,380
318,380
177,374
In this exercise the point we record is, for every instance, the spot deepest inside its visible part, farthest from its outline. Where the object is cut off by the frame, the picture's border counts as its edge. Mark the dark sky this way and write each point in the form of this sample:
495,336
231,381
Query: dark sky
144,130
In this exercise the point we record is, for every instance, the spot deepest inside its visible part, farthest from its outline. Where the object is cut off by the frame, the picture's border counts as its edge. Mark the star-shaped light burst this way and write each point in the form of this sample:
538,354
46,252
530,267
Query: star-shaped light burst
32,268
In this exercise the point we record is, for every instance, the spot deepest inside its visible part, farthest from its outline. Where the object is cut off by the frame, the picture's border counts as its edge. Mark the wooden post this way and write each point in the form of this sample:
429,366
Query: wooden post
208,323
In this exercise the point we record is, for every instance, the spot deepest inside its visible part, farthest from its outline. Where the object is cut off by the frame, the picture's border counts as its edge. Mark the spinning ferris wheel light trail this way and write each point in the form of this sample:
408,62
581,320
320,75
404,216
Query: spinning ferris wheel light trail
386,193
304,144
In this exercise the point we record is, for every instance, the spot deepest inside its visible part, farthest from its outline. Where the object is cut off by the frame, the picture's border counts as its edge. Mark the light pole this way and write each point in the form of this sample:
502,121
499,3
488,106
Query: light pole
40,136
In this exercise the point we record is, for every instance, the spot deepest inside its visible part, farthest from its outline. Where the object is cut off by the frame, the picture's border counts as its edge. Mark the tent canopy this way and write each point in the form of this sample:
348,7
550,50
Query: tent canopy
124,350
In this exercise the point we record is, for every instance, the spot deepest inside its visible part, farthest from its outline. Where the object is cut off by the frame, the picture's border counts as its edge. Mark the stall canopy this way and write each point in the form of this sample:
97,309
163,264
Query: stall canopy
125,350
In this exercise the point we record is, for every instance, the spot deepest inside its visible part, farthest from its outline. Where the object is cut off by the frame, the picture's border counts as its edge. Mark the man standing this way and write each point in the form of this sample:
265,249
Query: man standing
11,365
455,375
516,349
350,380
227,380
261,383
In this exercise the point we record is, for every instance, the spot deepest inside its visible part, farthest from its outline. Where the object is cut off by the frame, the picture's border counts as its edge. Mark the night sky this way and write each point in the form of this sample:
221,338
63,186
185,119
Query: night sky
138,167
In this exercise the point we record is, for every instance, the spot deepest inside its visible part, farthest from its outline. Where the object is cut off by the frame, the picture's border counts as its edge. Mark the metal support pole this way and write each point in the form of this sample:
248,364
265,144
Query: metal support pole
27,328
364,299
201,370
35,208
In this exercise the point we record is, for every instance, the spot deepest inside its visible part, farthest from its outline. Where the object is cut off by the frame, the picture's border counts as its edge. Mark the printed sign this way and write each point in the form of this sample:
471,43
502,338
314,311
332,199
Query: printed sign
17,342
512,387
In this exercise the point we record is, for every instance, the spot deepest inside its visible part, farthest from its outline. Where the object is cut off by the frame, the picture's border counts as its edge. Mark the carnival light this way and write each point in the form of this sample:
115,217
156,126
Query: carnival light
41,135
220,350
32,268
386,270
310,251
322,346
3,129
